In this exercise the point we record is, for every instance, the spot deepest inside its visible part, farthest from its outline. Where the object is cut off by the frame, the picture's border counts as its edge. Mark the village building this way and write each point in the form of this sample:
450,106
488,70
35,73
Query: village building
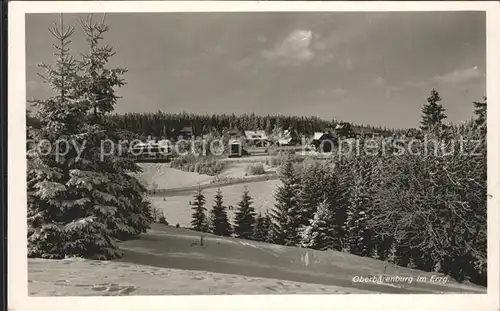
150,151
324,142
235,148
344,130
413,133
288,138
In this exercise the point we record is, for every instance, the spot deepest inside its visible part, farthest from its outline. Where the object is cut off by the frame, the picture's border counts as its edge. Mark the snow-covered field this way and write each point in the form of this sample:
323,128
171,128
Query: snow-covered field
160,176
177,210
165,177
170,261
105,278
179,188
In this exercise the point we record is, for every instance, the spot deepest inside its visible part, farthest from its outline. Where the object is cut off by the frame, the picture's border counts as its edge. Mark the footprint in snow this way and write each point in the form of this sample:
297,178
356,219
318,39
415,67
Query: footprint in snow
126,291
114,288
99,288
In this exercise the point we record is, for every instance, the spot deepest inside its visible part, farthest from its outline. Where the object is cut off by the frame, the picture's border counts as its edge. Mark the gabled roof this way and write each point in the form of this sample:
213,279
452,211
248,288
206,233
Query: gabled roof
319,135
141,145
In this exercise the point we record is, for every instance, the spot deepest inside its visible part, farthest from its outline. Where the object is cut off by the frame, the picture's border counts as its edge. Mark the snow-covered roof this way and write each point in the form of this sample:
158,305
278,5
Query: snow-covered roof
318,135
141,145
282,141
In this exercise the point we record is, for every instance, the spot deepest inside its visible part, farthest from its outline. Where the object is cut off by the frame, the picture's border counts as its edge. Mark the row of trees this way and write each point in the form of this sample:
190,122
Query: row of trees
162,124
247,223
424,211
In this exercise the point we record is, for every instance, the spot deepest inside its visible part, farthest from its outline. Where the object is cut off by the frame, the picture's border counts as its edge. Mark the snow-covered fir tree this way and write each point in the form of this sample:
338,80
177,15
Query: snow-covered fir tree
79,203
480,114
244,220
320,233
359,238
331,191
219,222
342,174
261,228
199,221
311,191
285,215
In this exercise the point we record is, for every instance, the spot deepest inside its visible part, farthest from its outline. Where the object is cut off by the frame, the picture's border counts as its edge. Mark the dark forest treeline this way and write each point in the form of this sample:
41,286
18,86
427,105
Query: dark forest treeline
162,124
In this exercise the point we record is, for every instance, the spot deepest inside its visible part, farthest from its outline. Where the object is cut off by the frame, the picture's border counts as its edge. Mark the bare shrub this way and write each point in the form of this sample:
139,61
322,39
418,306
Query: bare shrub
255,169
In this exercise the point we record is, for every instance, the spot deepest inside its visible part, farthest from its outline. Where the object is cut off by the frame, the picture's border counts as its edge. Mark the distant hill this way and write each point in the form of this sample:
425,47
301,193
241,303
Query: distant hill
162,124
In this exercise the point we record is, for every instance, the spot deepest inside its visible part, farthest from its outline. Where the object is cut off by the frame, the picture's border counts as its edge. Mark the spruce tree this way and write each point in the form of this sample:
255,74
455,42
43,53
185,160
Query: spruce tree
79,203
219,223
480,113
98,82
261,228
199,221
312,189
244,221
433,113
360,237
320,234
342,173
285,215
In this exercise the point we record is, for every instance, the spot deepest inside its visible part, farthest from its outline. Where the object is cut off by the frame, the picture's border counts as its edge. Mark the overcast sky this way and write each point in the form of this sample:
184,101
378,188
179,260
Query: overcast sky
375,68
